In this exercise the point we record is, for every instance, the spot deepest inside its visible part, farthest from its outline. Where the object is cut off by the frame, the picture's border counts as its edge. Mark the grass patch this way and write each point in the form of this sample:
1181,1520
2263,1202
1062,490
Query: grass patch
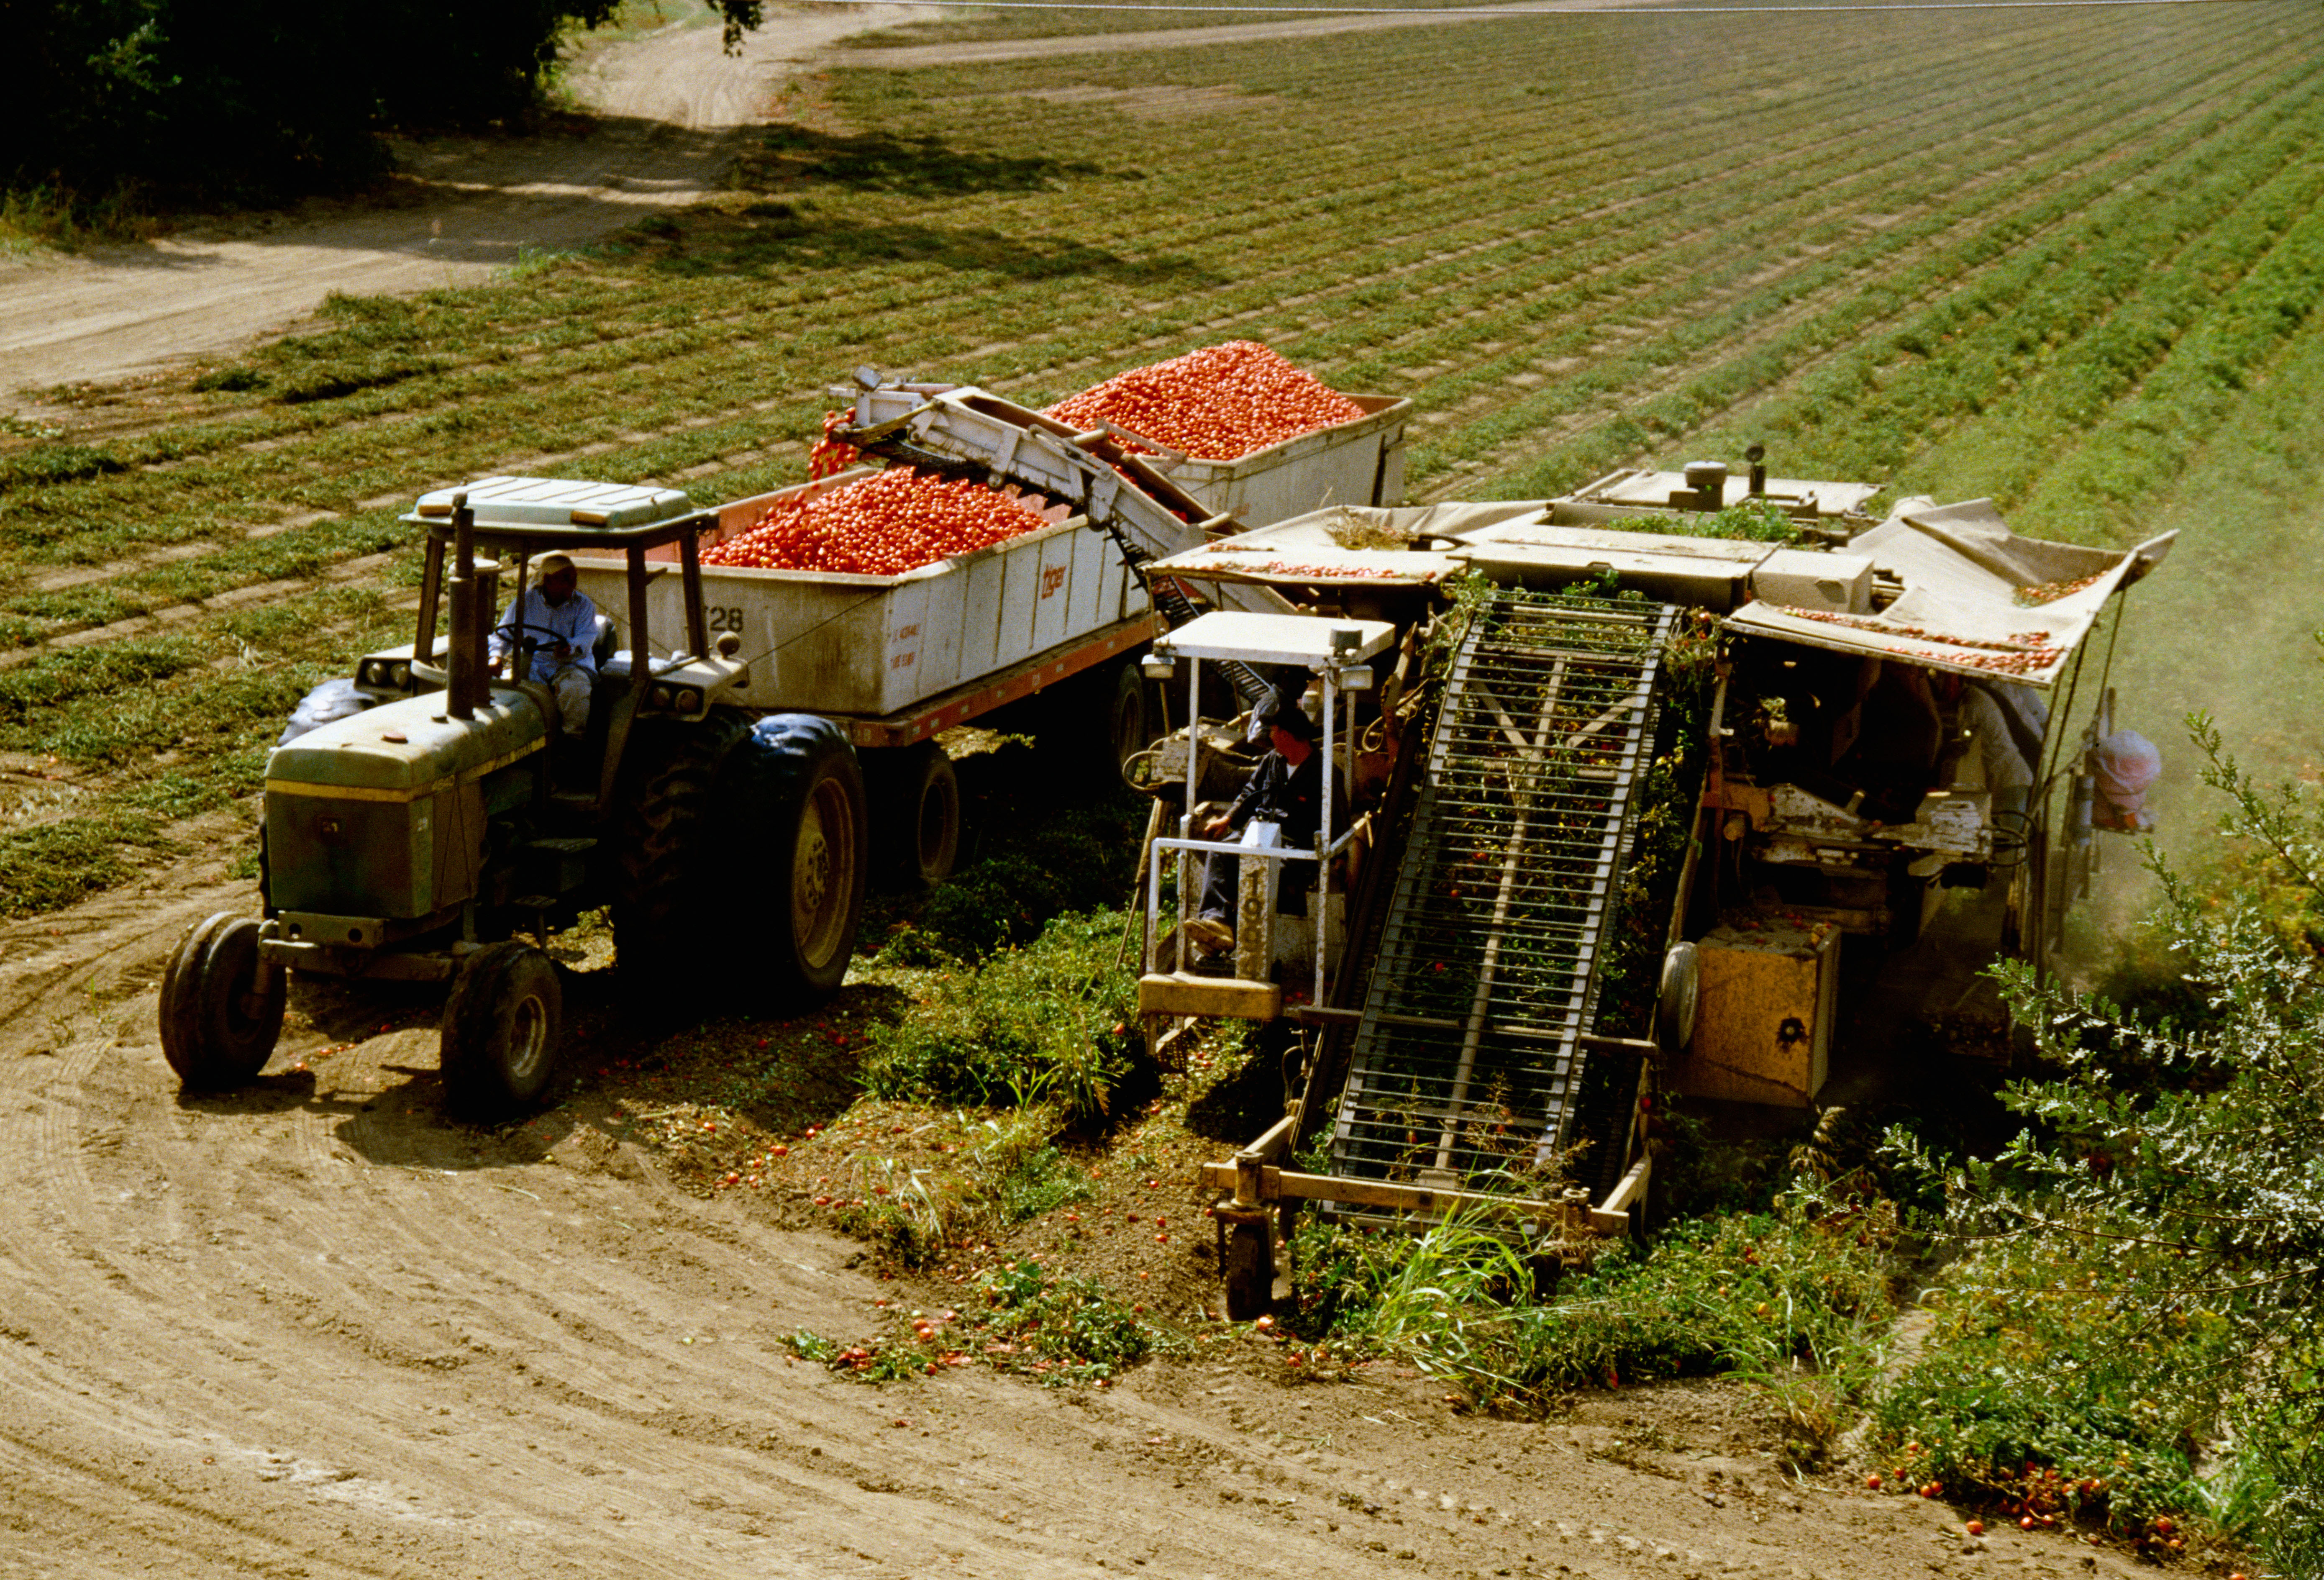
51,865
1794,1301
1051,1023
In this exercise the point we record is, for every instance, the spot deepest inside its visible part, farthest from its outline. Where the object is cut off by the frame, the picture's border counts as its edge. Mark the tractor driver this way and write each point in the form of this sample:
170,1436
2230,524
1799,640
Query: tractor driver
561,623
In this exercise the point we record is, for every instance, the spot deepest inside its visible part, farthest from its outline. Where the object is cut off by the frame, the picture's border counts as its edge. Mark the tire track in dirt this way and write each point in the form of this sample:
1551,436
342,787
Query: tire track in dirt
313,1327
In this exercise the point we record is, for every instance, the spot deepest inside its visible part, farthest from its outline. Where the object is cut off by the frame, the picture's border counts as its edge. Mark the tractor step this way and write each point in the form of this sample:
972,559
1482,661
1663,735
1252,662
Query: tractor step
536,902
557,863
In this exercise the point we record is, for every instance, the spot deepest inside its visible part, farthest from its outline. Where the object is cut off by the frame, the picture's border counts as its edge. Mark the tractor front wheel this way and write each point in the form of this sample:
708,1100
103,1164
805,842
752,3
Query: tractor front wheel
501,1029
221,1006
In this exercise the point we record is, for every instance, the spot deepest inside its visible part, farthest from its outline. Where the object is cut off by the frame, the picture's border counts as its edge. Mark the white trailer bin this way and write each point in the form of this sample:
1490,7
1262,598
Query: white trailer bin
1357,462
1360,462
874,646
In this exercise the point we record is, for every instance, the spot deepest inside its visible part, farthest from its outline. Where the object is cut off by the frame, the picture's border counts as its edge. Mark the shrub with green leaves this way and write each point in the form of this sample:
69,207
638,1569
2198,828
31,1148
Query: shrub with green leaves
1053,1023
2187,1158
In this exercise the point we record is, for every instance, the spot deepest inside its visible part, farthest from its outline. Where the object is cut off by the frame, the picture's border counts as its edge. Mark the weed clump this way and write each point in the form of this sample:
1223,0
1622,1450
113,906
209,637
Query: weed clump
1053,1023
1792,1300
1061,1328
2043,1388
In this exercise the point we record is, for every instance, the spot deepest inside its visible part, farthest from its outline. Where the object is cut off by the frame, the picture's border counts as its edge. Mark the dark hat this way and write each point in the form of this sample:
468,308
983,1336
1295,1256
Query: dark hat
1282,712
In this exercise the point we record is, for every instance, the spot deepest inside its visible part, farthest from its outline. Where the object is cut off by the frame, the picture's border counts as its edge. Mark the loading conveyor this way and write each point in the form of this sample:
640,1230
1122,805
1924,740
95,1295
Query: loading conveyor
1468,1062
960,428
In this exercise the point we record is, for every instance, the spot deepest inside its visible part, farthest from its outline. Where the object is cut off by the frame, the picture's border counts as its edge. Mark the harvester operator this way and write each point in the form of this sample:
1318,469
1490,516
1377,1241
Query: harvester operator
1286,788
560,622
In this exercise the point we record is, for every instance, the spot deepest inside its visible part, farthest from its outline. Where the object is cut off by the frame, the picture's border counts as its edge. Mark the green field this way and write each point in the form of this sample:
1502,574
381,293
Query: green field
2067,259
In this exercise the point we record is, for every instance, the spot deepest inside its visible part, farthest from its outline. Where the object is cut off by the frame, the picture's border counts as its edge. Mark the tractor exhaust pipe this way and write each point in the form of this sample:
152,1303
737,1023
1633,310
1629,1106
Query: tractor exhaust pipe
460,666
1757,456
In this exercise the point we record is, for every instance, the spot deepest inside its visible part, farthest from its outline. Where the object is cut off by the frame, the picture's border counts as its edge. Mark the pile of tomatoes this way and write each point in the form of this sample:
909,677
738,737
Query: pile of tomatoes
1220,403
882,525
833,454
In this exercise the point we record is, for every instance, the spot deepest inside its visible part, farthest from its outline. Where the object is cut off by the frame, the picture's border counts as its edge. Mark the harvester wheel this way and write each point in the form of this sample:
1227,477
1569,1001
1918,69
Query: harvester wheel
502,1025
792,829
1680,992
917,821
1249,1271
221,1007
673,876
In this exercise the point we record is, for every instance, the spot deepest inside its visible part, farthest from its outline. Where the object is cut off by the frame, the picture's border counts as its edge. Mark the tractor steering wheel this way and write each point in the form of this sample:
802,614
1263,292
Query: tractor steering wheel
526,648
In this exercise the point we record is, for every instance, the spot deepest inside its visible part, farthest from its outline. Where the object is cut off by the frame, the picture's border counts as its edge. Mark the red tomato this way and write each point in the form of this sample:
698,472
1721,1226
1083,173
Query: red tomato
1219,403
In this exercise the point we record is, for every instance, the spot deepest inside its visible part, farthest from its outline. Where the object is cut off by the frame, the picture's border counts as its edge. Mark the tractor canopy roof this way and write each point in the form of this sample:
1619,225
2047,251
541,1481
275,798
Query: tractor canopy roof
535,514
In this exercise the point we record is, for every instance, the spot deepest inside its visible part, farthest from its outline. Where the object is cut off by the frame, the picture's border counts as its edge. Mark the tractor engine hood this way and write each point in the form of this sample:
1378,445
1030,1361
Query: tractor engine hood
375,824
407,749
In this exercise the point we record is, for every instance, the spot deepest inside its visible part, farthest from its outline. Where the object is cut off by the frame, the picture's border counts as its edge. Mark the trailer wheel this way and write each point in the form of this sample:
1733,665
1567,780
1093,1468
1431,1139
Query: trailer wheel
1089,725
502,1026
1249,1270
917,823
793,827
1127,716
221,1007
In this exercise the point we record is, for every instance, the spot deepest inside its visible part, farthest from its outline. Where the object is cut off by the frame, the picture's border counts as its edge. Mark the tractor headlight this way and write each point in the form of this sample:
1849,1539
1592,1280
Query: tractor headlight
658,697
689,700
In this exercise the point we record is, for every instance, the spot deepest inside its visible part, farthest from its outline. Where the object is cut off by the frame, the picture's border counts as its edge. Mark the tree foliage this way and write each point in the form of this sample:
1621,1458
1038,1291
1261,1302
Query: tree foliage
249,98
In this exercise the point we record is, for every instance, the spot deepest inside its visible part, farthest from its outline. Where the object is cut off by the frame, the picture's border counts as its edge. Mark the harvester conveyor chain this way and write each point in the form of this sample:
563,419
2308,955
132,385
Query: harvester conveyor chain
1468,1063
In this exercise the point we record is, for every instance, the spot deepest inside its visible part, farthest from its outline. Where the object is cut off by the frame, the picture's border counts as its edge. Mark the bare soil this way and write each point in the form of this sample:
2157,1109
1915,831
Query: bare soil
663,114
315,1328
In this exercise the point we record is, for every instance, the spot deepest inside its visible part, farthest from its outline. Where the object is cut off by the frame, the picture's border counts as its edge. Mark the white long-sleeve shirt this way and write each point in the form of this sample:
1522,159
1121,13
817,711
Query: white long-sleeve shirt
575,621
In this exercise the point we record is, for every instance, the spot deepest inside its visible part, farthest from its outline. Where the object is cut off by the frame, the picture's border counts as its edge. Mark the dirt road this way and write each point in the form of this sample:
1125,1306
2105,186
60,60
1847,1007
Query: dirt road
1239,33
315,1329
667,107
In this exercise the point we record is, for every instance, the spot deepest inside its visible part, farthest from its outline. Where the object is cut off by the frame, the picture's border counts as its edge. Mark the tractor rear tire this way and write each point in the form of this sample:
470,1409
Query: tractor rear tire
1250,1272
502,1026
221,1007
794,831
915,830
669,913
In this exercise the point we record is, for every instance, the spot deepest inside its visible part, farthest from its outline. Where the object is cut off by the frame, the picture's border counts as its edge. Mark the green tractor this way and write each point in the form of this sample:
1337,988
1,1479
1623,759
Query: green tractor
423,835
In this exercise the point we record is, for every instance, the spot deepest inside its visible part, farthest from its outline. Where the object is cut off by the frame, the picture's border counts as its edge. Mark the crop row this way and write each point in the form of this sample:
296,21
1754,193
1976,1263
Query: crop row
202,491
1864,285
1661,245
